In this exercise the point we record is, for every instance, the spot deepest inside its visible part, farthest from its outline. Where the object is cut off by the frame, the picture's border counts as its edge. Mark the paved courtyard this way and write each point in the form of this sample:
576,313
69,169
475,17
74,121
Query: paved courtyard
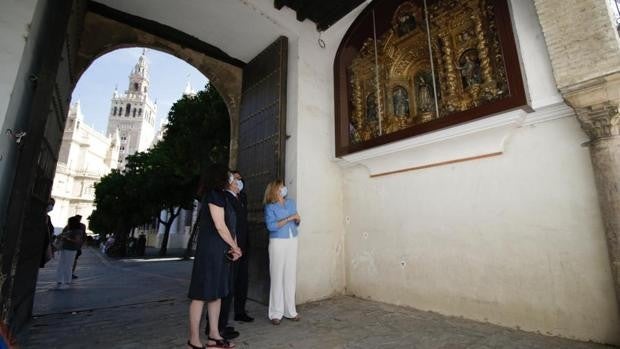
142,304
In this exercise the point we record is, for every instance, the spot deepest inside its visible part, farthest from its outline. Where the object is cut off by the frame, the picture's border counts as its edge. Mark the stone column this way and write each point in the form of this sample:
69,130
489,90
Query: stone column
597,111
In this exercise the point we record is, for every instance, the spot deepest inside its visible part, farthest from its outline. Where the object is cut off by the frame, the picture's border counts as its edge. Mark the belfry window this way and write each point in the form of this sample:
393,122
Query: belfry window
134,112
115,110
136,86
407,67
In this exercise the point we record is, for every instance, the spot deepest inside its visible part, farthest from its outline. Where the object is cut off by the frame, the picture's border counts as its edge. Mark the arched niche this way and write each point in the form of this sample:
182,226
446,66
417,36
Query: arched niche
429,65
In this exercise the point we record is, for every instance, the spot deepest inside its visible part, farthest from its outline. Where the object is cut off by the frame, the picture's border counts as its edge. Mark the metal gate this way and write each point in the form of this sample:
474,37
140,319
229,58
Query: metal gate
262,137
43,118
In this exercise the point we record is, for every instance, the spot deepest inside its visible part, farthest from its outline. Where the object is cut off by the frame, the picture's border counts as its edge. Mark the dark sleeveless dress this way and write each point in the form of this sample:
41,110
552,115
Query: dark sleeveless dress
212,271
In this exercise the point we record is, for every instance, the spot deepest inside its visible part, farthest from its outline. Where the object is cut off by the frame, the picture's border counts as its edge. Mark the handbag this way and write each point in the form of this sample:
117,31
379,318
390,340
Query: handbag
57,245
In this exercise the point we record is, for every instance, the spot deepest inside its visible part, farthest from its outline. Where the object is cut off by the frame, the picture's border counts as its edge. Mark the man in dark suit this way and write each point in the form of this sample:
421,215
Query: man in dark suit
241,277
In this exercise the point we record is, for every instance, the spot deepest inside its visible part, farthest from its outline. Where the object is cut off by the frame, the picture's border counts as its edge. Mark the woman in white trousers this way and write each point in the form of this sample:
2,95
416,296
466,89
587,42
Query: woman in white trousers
282,220
71,238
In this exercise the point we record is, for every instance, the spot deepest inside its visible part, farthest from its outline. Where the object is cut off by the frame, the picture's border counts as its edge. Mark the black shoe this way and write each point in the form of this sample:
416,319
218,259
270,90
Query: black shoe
244,318
229,333
74,276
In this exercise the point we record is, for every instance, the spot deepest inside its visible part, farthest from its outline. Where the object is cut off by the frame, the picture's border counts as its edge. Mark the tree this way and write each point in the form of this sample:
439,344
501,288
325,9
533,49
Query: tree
198,133
198,130
165,185
119,207
166,177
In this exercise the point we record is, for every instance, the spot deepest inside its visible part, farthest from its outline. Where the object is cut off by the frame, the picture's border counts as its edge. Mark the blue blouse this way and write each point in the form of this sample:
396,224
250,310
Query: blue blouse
276,212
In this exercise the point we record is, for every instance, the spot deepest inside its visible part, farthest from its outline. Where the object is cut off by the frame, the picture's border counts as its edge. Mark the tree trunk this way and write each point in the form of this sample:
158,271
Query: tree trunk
168,224
192,237
164,242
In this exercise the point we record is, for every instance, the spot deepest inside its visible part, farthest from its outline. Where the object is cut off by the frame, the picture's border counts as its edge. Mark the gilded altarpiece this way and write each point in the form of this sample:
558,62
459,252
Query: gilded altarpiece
410,67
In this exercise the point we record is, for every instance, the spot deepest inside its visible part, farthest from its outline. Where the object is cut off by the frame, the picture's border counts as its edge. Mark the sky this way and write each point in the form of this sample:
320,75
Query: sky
168,77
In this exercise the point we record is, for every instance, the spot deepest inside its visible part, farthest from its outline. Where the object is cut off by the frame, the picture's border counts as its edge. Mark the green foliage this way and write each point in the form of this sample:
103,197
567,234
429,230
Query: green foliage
166,176
117,198
198,131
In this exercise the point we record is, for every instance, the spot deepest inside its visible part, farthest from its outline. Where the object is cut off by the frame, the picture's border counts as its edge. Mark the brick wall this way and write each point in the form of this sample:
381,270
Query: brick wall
581,37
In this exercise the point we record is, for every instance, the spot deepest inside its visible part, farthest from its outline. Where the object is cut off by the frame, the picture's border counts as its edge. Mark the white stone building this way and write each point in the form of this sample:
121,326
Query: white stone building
133,113
85,156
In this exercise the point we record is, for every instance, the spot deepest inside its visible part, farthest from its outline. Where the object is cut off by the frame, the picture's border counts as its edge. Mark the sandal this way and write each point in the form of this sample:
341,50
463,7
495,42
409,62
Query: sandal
275,322
193,346
220,344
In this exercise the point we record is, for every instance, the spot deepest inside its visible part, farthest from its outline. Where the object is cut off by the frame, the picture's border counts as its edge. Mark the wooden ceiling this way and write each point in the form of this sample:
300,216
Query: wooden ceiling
322,12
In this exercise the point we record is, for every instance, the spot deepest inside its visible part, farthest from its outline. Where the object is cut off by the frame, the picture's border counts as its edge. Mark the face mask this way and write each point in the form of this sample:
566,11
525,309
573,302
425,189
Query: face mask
239,184
283,191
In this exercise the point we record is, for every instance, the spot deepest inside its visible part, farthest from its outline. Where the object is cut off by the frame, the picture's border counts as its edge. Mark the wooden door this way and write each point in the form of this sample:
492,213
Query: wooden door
262,137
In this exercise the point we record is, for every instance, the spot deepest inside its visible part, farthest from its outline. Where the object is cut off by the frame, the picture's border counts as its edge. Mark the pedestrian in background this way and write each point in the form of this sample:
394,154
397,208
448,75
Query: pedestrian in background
48,235
70,240
82,241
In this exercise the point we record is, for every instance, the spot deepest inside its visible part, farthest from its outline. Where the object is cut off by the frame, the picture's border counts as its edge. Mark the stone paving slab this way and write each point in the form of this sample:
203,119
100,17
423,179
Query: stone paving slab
159,319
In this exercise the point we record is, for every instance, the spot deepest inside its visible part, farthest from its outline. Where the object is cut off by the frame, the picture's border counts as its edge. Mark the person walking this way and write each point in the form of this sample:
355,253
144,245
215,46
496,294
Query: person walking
82,241
70,241
282,220
215,251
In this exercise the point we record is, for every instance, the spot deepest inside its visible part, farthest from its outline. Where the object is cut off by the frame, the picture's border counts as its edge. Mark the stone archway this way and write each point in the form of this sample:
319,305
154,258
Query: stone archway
120,32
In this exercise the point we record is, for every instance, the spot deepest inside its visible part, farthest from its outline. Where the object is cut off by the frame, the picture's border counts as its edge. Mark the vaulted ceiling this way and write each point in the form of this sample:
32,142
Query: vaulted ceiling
322,12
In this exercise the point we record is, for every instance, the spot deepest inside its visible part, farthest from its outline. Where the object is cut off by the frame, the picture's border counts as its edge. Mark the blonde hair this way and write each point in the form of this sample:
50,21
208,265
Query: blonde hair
271,192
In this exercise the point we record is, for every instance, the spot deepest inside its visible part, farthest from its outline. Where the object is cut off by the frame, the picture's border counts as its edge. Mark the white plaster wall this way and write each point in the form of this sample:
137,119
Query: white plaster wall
16,60
318,179
537,71
314,180
14,20
515,239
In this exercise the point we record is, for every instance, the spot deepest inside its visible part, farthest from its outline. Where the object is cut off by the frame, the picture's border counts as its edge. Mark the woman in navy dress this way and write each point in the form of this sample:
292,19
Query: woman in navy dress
216,249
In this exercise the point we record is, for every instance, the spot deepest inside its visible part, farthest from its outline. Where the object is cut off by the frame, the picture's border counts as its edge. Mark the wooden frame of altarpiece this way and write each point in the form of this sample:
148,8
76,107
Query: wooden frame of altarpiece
408,67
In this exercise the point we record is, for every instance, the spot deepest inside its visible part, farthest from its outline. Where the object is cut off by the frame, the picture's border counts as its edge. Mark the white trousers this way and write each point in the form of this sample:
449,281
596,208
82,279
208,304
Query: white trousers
65,266
283,273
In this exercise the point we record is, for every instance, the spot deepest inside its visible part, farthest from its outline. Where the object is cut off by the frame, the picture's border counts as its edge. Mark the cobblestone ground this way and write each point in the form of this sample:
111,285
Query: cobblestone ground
142,304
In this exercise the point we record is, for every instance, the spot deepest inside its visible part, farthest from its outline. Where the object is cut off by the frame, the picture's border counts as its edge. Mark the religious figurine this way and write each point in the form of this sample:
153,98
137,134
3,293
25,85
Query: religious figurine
424,95
371,108
470,72
400,101
406,24
354,136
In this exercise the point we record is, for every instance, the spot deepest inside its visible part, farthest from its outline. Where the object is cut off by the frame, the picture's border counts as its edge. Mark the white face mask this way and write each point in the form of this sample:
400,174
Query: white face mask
283,191
239,184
